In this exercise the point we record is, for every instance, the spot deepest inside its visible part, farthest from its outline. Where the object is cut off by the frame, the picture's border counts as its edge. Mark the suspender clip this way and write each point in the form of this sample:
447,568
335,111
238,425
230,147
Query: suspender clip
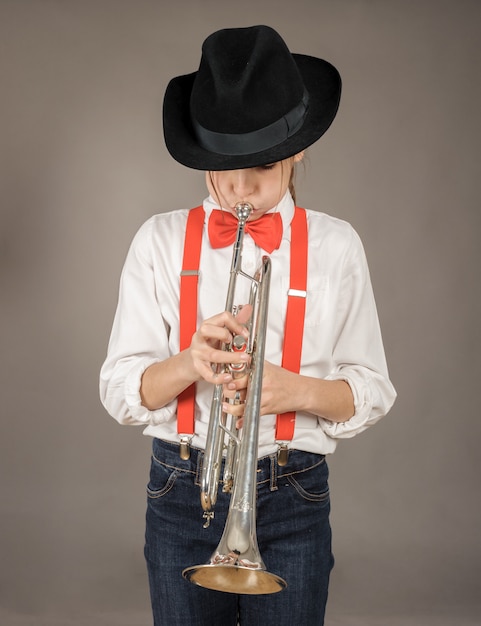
185,447
282,454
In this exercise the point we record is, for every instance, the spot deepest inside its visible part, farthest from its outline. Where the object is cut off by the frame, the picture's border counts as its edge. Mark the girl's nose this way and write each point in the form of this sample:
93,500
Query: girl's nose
243,183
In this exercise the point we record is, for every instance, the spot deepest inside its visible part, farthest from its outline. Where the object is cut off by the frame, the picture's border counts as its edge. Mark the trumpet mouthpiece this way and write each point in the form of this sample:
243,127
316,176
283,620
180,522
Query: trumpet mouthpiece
243,210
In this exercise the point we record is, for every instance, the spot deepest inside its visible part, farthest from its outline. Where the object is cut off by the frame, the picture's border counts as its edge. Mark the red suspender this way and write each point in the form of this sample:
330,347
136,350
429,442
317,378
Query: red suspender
189,279
296,306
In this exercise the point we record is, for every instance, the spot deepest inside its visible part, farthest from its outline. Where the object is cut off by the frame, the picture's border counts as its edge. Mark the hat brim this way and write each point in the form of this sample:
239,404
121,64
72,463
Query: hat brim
322,82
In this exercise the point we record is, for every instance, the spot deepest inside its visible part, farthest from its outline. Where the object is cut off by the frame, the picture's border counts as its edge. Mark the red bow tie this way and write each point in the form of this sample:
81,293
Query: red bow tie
266,231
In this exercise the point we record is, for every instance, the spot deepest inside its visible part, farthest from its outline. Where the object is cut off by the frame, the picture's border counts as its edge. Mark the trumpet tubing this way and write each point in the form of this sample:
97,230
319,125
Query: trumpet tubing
236,566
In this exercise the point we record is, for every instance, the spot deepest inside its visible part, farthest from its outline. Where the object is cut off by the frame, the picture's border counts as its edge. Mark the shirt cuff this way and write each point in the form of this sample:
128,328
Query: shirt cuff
363,404
139,413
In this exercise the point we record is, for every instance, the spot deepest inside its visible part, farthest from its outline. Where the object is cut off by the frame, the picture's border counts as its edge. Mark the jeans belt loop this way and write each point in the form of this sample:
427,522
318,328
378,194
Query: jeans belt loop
273,477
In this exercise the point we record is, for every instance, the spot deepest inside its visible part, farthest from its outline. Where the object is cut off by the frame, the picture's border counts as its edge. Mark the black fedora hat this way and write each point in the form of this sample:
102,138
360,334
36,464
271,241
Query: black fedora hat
250,103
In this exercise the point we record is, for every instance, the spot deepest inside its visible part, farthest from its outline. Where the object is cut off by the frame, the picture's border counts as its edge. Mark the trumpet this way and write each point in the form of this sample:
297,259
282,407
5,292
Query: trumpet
236,566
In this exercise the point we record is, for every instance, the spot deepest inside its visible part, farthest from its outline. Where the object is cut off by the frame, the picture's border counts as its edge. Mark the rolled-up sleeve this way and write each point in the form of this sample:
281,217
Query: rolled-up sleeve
139,338
358,352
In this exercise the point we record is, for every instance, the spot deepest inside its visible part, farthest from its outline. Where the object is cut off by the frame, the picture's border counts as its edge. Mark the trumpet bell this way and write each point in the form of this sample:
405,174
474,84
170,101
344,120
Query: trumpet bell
234,579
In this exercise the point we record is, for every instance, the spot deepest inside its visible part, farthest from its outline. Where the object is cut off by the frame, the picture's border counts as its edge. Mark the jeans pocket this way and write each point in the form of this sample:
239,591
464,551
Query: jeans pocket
311,484
162,479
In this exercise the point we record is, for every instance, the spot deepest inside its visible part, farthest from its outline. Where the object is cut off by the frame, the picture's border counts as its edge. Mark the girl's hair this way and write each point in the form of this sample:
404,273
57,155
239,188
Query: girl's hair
292,187
295,164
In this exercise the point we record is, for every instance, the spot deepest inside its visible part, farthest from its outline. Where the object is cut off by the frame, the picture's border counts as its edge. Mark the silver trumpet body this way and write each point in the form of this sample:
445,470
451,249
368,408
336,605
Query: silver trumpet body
236,566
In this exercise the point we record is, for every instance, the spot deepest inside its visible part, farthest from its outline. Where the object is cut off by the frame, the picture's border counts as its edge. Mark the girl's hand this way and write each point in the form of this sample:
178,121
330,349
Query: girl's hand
162,382
278,391
235,397
206,346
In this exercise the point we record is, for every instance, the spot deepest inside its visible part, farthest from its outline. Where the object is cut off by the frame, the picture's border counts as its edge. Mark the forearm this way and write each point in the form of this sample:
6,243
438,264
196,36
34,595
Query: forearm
330,399
162,382
284,391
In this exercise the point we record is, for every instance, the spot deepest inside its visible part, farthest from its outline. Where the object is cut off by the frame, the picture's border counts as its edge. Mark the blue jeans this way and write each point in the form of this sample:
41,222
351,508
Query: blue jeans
293,534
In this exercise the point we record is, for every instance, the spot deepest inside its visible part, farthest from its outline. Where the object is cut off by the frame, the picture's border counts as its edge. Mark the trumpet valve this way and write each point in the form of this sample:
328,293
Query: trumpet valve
238,344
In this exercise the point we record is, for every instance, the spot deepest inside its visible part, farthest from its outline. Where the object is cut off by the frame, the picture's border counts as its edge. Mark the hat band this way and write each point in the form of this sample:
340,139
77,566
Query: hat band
256,141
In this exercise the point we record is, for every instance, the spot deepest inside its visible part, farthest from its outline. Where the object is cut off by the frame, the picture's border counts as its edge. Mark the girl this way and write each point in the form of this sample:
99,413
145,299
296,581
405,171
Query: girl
245,118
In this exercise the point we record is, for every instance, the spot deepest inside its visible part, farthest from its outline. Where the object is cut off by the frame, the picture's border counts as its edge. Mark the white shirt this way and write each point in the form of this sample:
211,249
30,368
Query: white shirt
342,338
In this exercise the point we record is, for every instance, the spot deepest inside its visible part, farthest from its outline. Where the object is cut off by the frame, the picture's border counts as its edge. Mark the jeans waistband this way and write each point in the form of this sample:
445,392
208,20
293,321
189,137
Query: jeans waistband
268,469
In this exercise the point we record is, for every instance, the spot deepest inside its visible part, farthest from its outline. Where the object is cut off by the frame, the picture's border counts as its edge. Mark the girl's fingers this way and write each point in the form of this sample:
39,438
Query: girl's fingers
207,342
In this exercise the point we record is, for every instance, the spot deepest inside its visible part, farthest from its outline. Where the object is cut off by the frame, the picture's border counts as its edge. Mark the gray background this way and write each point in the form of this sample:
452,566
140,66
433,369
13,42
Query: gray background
83,165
